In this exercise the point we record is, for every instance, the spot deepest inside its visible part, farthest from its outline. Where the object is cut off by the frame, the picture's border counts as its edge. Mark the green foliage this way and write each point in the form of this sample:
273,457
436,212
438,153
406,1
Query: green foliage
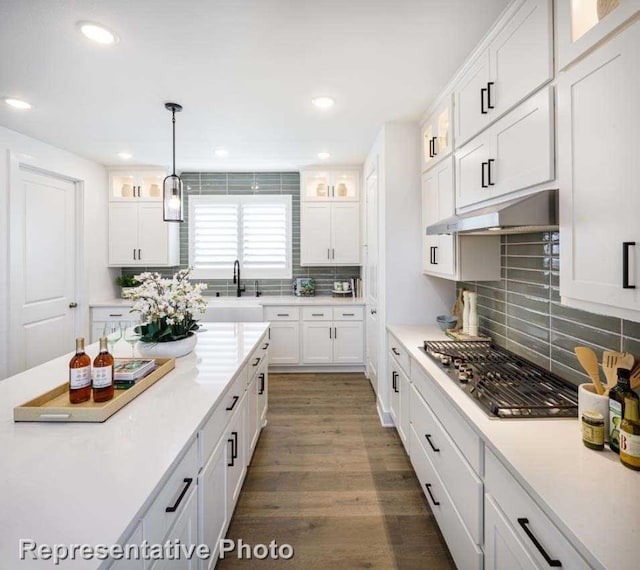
127,281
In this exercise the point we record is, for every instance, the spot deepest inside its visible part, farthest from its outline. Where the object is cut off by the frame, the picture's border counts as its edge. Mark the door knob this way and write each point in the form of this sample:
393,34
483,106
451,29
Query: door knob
73,305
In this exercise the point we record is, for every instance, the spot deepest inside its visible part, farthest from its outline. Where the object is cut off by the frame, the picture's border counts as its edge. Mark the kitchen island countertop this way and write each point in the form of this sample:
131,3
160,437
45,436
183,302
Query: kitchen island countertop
592,498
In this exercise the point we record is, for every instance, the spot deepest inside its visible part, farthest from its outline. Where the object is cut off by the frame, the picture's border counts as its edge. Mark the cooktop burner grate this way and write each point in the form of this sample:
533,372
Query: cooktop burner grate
504,384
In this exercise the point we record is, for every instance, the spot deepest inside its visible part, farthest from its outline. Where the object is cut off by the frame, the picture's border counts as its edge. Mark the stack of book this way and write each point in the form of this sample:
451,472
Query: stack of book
126,372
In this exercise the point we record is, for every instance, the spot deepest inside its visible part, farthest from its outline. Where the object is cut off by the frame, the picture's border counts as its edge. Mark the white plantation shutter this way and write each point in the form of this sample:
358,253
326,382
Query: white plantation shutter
256,230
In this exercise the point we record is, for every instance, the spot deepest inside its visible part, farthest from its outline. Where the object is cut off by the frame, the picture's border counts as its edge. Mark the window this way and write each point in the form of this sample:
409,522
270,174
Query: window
255,230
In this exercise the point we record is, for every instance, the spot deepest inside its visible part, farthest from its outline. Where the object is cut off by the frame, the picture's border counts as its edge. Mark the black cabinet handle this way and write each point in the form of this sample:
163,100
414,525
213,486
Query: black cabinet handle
435,251
234,435
348,314
394,376
428,486
115,314
187,483
428,436
261,389
233,453
484,184
489,103
434,140
373,312
139,254
482,92
523,522
395,351
625,264
282,314
317,314
256,362
489,177
335,332
134,254
266,345
330,332
430,148
233,404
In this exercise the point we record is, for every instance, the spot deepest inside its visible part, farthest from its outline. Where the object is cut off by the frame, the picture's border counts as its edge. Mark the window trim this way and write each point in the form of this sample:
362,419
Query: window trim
283,273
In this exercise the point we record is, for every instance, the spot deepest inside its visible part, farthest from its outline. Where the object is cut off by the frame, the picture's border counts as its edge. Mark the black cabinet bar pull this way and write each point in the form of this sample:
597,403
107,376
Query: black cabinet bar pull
317,314
395,351
482,92
261,389
428,486
489,177
330,333
523,522
115,314
134,254
484,184
489,103
282,314
187,483
233,453
625,264
335,332
348,314
139,254
430,149
233,404
394,376
434,140
234,435
428,437
435,250
328,254
266,345
256,362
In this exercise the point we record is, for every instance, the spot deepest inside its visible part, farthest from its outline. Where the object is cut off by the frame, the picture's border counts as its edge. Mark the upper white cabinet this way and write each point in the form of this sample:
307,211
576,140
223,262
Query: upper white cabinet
515,153
138,236
581,24
598,137
437,135
518,60
331,184
330,233
129,185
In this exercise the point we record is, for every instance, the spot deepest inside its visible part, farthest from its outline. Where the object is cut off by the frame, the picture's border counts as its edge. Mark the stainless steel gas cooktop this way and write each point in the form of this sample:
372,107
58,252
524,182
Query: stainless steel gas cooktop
503,384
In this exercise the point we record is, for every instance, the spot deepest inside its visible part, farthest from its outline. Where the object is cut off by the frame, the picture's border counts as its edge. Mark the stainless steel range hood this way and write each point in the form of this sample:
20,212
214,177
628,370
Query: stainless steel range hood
535,212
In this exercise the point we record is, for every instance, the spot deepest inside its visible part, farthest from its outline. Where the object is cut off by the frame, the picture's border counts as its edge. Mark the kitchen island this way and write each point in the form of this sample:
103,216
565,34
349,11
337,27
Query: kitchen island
84,483
514,477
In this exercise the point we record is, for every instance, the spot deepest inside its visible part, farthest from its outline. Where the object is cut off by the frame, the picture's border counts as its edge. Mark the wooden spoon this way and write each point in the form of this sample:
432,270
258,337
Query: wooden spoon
611,361
589,361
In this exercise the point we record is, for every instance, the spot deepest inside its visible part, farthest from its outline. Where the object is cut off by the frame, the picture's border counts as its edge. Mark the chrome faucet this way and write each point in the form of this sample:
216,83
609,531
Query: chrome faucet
236,278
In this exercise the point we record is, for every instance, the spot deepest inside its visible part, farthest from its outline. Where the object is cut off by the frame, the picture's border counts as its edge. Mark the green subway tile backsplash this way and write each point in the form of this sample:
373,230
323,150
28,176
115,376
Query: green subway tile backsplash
522,312
220,183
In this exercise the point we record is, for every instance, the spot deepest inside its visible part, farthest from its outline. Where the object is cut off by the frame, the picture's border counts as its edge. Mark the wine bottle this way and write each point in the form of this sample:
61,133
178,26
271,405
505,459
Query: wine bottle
617,396
103,373
79,375
630,435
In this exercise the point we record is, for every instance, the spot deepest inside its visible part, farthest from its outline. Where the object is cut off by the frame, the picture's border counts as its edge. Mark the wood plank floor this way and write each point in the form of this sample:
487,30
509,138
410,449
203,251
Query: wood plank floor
329,480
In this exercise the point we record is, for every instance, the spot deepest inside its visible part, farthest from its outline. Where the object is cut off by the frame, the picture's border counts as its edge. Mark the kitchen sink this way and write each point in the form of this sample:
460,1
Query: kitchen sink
224,310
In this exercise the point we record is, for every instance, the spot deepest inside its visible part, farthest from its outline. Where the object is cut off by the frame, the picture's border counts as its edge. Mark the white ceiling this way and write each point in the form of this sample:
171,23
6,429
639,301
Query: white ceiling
244,70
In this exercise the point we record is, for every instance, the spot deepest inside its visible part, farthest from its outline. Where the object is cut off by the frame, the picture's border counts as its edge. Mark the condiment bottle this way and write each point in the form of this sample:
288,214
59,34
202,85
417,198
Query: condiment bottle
103,373
630,435
617,396
593,430
79,375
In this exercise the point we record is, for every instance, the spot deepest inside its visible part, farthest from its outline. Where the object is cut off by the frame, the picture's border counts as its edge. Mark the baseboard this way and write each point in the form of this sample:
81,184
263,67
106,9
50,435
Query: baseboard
315,369
385,417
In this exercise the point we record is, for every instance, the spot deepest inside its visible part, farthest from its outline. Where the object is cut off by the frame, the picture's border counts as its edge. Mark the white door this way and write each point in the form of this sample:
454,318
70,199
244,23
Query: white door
315,234
345,233
348,345
152,234
285,342
472,171
317,343
123,234
471,108
371,277
42,278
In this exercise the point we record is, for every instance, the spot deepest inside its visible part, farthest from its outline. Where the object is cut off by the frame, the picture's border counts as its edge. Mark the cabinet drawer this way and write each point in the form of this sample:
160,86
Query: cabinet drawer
348,313
281,313
106,314
181,482
464,550
467,441
317,314
400,354
259,355
213,429
463,485
522,513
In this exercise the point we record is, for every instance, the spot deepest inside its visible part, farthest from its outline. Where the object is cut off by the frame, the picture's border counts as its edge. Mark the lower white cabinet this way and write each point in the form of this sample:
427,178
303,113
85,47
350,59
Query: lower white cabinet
400,401
285,342
236,466
134,538
332,342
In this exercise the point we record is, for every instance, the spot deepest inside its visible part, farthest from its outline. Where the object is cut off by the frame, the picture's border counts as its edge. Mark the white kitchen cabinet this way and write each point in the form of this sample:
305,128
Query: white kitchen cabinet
330,234
582,24
333,185
348,342
138,236
131,564
598,135
515,153
285,342
263,391
496,80
332,342
399,408
317,342
136,185
437,134
236,437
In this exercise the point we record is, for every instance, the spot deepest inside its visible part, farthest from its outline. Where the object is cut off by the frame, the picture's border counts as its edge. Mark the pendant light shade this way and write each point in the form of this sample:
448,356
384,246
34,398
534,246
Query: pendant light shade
172,185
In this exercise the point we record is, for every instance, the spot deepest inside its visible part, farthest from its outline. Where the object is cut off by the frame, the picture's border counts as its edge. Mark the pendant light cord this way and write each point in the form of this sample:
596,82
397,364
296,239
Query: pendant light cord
173,120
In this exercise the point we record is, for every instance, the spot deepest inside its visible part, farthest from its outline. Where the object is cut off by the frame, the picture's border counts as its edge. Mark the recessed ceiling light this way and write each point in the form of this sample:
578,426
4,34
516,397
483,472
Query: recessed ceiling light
323,155
125,155
323,102
97,33
17,103
221,153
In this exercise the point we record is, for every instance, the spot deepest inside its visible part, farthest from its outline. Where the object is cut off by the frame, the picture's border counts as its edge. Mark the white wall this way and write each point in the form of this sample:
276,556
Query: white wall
96,278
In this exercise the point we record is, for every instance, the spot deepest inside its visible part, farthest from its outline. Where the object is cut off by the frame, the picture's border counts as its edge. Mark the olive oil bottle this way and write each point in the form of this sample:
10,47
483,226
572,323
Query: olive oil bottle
630,435
103,374
617,397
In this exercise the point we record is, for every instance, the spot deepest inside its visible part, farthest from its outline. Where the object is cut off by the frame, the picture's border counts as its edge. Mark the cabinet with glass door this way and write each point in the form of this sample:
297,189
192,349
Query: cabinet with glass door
437,135
331,184
130,185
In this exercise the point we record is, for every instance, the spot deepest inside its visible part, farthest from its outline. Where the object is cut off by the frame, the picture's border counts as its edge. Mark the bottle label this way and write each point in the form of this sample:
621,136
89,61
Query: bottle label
630,444
615,418
79,377
102,376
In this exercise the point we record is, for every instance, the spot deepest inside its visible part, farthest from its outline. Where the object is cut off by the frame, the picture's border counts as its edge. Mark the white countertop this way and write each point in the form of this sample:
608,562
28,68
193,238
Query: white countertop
592,498
82,483
247,300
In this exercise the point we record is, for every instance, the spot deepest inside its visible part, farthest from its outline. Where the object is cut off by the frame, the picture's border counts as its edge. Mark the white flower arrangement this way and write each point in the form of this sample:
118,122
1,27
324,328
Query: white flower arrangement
167,307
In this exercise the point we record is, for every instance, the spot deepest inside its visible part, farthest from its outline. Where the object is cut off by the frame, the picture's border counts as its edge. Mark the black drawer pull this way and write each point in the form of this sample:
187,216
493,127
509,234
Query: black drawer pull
317,314
261,389
266,345
187,483
395,351
348,314
233,404
625,264
282,314
523,522
256,362
428,486
115,314
428,437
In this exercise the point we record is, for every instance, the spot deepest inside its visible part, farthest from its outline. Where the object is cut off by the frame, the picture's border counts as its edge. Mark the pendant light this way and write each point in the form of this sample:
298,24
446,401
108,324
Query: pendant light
172,185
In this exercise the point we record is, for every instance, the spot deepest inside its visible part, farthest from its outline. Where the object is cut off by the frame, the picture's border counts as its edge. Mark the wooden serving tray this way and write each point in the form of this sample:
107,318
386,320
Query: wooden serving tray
54,405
